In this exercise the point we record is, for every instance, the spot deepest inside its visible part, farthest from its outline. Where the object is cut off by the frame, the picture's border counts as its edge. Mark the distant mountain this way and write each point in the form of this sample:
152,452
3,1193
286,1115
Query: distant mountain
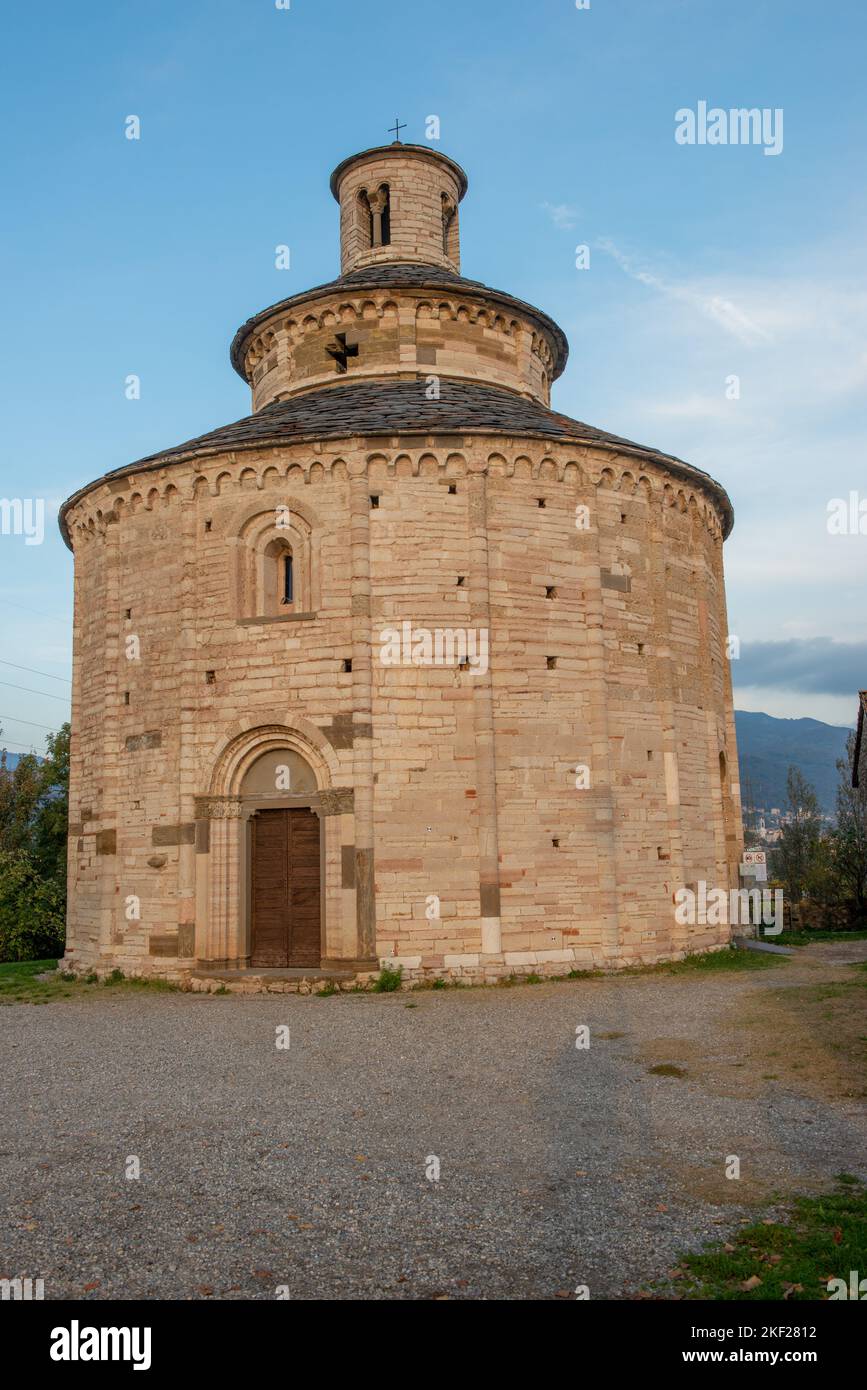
768,747
13,759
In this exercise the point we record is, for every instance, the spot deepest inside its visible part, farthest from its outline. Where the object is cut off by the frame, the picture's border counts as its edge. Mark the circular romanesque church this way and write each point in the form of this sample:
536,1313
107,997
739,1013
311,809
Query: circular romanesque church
404,668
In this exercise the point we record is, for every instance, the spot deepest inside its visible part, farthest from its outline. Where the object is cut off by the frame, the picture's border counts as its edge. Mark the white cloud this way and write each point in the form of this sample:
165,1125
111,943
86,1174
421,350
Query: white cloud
563,215
713,305
795,438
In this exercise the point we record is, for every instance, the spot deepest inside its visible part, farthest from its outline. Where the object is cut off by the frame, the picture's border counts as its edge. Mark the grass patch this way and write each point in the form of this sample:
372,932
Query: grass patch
713,962
819,1239
136,984
440,983
812,1036
19,985
804,938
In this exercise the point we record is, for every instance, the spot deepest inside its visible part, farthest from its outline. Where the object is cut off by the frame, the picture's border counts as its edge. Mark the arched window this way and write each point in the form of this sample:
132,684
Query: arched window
363,221
278,579
380,211
276,566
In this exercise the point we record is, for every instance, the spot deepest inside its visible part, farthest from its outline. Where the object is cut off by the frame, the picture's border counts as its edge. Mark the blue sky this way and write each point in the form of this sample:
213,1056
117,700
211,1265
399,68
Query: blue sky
706,261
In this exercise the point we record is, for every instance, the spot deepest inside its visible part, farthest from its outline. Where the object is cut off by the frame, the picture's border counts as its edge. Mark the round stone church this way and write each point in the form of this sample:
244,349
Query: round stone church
404,669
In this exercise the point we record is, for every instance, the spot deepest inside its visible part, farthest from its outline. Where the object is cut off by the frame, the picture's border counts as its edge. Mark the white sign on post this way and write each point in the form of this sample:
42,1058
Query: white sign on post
755,864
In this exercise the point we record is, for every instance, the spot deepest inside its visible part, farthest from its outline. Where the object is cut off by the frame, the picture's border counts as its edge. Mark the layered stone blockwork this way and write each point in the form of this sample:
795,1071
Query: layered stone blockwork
482,643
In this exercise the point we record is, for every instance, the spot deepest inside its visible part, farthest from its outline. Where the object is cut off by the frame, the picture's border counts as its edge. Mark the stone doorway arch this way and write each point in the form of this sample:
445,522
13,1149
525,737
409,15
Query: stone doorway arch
267,768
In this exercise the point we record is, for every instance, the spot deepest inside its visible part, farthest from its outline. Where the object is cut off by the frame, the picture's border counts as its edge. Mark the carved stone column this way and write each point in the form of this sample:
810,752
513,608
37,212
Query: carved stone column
225,914
378,203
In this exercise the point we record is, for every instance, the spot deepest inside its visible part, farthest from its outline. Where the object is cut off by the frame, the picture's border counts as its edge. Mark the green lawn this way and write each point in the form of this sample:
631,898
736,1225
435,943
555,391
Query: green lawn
805,938
19,985
729,958
820,1238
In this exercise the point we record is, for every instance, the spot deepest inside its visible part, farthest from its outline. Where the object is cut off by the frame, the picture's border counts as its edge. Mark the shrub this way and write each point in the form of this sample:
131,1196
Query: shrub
32,910
388,980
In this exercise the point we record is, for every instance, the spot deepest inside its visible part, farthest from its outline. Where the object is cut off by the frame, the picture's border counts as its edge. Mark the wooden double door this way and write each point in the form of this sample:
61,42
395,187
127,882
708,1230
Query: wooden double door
285,897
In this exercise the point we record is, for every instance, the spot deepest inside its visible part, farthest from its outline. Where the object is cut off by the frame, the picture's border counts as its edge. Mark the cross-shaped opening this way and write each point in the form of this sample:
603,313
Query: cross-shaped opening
341,351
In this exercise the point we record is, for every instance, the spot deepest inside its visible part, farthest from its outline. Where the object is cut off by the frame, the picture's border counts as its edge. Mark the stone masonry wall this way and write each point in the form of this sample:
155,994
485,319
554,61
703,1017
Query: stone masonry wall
607,652
417,181
434,333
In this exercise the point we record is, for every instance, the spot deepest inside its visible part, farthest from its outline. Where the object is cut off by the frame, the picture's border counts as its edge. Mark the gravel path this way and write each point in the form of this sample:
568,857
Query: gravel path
305,1168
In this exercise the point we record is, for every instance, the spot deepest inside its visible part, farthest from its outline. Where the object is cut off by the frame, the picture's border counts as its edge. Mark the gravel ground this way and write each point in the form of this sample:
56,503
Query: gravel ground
305,1167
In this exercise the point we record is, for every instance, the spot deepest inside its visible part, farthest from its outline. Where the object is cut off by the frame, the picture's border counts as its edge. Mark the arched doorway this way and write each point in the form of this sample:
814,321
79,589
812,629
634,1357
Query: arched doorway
284,861
282,763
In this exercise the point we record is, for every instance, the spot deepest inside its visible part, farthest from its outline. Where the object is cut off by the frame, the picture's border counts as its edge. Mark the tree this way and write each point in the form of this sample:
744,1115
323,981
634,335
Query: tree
20,789
34,807
850,836
51,815
32,910
803,853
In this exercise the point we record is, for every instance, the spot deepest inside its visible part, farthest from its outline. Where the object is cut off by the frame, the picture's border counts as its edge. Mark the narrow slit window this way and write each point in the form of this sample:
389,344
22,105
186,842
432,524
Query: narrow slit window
288,582
386,218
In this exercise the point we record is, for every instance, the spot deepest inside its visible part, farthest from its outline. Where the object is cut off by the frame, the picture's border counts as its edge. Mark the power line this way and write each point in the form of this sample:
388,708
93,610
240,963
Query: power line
33,671
63,699
52,618
33,725
22,747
